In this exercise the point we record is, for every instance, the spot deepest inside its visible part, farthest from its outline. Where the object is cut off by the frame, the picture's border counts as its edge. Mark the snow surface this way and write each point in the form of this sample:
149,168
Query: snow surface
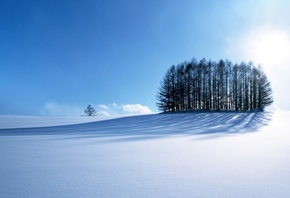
12,121
162,155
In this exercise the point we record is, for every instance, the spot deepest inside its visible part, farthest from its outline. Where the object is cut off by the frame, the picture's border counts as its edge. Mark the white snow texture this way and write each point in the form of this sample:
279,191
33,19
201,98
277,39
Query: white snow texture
160,155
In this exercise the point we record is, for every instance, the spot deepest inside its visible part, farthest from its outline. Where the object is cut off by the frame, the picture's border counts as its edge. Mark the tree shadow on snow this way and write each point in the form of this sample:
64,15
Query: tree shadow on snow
156,126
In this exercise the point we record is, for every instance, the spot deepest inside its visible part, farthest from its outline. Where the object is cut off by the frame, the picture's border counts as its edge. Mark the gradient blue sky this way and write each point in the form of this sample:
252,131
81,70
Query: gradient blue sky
56,57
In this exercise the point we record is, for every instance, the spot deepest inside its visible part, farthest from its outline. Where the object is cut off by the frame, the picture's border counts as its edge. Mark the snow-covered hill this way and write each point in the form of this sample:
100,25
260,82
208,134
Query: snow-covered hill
12,121
161,155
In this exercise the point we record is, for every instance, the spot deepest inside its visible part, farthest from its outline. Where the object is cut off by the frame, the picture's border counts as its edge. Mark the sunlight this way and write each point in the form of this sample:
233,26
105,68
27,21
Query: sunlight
273,47
270,47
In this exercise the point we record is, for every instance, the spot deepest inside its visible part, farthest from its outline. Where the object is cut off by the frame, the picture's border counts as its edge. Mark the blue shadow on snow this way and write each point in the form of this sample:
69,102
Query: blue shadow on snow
157,125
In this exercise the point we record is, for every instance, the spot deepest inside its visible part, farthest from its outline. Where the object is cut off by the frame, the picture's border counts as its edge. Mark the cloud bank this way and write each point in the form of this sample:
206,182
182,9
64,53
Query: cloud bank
57,109
136,109
115,109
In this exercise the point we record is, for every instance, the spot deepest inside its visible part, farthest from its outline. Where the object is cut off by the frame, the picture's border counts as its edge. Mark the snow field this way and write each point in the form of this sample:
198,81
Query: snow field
167,155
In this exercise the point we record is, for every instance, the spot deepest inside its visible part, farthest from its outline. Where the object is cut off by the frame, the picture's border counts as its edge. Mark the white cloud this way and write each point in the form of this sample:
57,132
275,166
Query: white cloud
136,109
116,106
103,106
102,113
115,109
109,109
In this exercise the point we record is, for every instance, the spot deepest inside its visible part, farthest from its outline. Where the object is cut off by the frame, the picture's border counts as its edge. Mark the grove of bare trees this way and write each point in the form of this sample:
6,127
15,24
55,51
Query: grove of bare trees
214,86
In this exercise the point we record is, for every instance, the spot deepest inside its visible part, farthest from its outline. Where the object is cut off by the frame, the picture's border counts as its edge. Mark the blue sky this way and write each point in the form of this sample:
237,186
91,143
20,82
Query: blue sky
56,57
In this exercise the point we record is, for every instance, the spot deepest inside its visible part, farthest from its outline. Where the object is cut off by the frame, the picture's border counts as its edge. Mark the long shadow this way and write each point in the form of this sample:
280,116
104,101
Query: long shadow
156,126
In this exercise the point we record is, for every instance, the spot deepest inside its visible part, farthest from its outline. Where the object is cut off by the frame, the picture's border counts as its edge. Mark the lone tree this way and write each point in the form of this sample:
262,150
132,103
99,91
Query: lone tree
90,110
214,86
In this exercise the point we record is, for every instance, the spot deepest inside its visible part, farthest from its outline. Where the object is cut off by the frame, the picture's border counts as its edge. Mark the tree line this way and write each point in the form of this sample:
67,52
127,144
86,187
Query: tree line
214,86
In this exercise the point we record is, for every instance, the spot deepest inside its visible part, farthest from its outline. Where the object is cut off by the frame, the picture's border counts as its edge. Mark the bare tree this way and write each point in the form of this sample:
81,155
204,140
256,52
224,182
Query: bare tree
90,110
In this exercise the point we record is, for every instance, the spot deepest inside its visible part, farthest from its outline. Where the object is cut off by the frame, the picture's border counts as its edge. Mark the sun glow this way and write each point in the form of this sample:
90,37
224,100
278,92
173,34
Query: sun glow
269,47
